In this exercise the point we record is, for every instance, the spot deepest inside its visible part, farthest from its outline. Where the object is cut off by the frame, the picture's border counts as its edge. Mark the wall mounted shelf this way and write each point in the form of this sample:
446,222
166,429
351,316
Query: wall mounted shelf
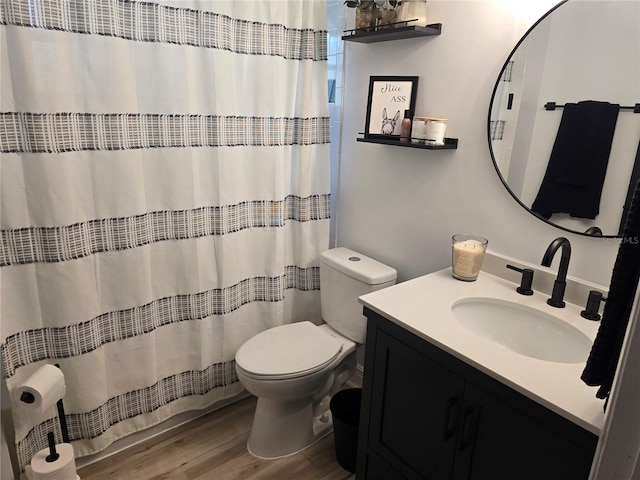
449,143
387,34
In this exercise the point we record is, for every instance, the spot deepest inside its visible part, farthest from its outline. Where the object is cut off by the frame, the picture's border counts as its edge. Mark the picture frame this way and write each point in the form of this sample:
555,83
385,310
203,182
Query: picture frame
389,97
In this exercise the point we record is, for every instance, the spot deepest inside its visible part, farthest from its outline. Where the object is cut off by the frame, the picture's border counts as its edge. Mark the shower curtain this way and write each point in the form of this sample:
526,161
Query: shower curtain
164,197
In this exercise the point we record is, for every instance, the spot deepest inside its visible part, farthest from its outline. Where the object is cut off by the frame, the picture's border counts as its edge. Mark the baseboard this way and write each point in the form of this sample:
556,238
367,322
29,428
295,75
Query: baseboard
356,380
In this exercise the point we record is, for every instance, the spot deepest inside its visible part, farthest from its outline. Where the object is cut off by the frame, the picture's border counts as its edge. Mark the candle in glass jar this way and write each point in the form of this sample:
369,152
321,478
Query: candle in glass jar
468,253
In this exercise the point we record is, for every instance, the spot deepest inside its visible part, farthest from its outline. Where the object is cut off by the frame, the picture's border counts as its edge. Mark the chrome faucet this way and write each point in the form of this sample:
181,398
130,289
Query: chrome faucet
557,295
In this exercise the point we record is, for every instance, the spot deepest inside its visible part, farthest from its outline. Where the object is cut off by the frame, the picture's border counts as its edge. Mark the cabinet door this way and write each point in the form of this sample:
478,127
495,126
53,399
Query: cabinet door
415,410
378,469
509,444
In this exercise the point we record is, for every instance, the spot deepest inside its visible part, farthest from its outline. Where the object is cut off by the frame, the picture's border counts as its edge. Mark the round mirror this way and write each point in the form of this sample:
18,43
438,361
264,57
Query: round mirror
564,119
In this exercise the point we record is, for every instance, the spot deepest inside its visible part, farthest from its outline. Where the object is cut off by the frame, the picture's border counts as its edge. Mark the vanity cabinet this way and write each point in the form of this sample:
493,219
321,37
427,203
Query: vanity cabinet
428,415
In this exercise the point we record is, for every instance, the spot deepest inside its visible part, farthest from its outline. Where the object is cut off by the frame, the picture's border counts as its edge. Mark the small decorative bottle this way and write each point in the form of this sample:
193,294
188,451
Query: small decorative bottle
405,127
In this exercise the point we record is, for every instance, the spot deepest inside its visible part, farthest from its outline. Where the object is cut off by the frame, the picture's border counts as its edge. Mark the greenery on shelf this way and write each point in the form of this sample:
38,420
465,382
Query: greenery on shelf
374,5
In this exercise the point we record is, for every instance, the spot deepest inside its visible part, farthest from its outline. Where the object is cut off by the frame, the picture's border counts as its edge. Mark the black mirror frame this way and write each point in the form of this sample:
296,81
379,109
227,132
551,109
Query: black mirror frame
493,158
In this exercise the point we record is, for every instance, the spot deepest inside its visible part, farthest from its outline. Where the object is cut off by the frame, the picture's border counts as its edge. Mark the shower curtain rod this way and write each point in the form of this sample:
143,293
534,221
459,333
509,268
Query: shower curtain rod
553,106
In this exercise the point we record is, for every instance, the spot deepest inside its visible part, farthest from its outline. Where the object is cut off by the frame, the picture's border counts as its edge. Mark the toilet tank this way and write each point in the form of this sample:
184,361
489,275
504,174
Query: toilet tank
345,275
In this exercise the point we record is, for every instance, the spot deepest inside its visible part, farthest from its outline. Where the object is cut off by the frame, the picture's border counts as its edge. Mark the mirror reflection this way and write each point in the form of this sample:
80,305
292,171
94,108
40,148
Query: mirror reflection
575,162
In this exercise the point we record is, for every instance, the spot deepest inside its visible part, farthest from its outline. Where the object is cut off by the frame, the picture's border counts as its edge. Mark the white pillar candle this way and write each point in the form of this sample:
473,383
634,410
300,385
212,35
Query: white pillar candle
467,258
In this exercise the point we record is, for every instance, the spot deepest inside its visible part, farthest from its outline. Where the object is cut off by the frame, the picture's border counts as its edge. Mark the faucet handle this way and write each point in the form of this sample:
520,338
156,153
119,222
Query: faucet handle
526,281
593,305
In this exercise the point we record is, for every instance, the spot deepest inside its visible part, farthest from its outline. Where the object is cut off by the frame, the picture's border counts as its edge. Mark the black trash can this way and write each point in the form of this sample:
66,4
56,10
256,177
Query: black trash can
345,410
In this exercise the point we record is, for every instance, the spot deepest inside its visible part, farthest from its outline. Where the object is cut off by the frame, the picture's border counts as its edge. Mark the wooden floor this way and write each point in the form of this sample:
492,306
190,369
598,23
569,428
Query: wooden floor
213,447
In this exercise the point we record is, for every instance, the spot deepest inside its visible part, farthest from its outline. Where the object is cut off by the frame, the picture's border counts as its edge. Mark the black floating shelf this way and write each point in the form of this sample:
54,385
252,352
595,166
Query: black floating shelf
398,33
449,143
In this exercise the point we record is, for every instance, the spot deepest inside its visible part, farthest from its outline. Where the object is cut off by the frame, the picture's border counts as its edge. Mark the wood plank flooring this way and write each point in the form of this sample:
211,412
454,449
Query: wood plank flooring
213,447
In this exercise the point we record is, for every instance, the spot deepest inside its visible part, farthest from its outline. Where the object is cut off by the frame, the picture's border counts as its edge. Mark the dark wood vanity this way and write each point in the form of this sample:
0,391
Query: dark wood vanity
428,415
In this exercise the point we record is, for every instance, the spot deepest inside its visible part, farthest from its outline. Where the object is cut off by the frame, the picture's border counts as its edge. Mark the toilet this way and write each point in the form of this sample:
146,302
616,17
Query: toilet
294,369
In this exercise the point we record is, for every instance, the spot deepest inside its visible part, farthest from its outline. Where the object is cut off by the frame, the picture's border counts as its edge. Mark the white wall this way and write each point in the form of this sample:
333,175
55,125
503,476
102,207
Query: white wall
7,449
401,205
6,470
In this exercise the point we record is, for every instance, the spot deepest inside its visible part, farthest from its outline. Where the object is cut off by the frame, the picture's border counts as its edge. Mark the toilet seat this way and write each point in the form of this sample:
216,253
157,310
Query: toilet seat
287,351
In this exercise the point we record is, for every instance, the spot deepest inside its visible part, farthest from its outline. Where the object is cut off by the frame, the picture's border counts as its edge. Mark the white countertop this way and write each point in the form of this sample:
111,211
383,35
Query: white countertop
423,307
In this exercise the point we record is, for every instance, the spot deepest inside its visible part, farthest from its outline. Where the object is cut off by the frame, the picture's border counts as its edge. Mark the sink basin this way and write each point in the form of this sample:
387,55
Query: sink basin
523,329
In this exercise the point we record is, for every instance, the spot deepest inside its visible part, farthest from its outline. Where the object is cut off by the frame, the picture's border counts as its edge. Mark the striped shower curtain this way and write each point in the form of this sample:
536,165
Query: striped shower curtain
164,197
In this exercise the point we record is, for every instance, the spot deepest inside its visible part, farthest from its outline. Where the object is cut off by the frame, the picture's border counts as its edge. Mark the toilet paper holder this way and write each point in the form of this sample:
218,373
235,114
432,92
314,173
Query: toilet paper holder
63,421
53,455
28,398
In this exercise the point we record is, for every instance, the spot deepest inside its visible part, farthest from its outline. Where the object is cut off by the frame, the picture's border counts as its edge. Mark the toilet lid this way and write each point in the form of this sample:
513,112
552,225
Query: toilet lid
299,347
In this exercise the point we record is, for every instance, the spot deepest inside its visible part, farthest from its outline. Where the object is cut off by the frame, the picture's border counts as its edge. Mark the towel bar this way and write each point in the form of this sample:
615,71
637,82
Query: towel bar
553,106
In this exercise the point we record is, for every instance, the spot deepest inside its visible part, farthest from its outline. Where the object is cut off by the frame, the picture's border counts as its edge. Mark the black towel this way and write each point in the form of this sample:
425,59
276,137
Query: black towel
603,359
577,167
635,177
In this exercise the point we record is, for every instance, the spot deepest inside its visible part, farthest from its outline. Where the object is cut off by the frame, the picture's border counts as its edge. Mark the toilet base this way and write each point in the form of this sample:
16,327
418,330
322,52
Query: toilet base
282,428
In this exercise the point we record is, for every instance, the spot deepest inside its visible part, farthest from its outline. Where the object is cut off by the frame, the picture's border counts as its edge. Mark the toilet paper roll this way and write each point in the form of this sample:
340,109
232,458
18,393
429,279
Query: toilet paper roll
41,390
63,468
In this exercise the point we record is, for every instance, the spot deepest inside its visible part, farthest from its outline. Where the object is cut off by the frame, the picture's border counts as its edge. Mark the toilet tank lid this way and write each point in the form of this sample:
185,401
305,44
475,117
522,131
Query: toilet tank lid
358,266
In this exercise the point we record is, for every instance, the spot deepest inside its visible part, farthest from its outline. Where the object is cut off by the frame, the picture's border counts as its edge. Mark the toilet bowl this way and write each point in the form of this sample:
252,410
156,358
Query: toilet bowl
293,394
294,369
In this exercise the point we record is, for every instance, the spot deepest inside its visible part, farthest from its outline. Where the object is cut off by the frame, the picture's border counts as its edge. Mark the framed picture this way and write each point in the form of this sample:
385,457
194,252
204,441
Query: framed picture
389,97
